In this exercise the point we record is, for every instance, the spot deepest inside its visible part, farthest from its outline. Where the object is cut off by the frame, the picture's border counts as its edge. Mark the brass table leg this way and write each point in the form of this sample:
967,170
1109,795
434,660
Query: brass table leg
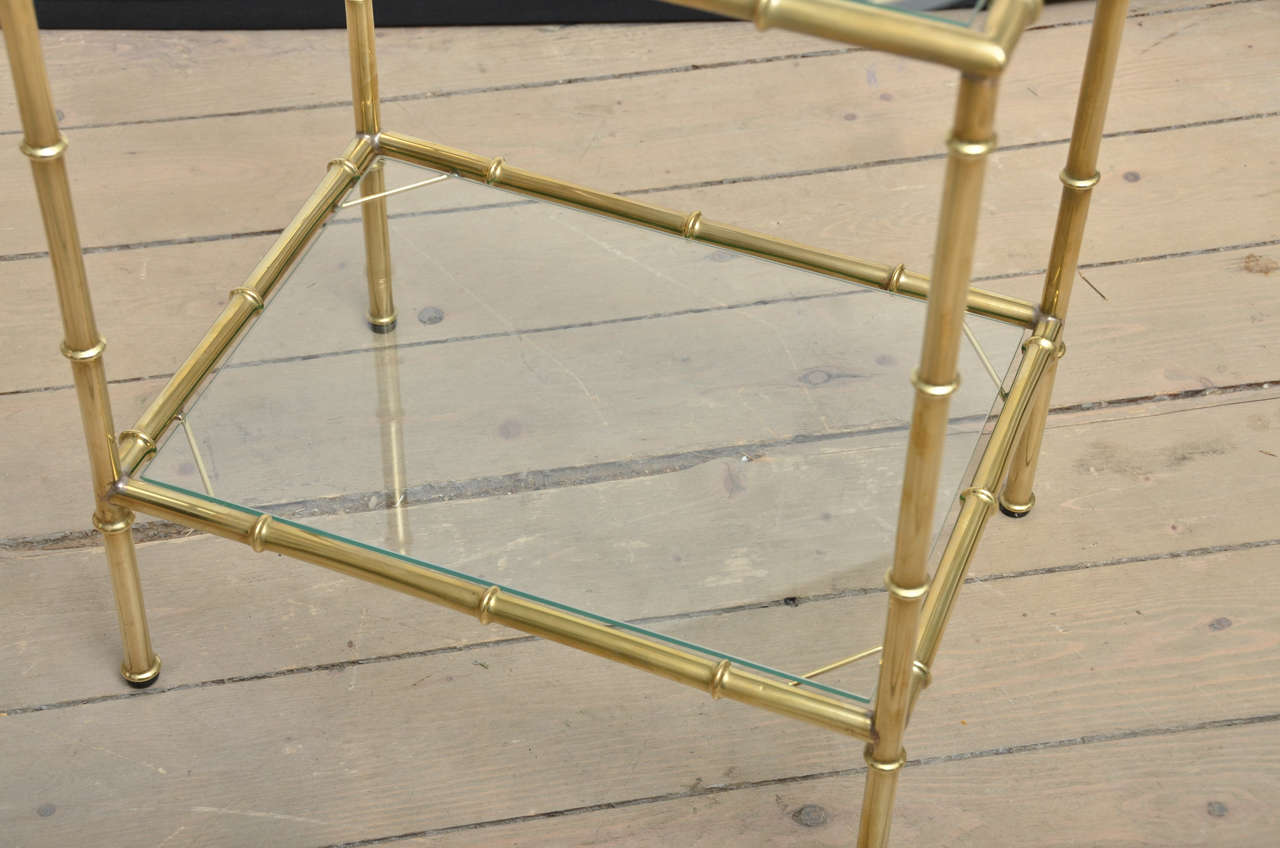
971,140
1078,179
364,99
45,146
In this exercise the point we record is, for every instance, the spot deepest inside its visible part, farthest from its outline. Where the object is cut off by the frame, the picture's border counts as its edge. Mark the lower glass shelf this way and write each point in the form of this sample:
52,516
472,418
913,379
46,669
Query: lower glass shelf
698,446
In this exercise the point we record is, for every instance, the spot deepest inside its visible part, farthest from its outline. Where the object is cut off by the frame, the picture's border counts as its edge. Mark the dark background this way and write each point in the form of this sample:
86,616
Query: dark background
316,14
324,14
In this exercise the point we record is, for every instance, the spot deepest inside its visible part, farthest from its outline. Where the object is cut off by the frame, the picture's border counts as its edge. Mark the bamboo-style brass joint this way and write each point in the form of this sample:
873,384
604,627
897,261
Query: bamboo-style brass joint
868,755
895,278
118,526
1079,185
494,174
763,13
86,355
718,678
980,493
923,673
904,593
1042,342
484,610
692,223
345,164
255,299
934,389
143,441
258,535
44,154
1049,326
970,149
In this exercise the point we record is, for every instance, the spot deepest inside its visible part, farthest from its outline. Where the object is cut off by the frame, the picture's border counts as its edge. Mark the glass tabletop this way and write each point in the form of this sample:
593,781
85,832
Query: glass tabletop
667,436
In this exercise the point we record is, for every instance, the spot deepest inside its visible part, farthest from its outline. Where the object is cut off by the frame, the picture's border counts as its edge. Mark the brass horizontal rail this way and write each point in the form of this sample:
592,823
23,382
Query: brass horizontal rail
489,603
978,499
693,226
245,304
891,30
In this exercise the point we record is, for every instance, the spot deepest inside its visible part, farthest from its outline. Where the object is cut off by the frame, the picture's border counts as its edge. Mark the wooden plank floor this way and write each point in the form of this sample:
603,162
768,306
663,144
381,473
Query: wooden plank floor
1110,676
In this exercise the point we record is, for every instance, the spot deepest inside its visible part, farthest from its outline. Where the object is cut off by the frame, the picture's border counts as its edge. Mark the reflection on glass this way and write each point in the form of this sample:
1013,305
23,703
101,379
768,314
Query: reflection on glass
386,362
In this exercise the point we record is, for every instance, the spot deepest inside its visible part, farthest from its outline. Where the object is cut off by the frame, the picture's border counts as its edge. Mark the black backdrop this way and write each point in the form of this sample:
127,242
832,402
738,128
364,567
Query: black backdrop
308,14
324,14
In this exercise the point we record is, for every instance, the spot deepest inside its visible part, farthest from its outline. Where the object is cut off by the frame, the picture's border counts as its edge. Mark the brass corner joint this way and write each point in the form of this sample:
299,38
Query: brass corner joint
891,30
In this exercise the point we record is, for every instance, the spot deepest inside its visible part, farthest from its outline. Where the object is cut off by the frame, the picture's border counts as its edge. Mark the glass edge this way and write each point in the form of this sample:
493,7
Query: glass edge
476,581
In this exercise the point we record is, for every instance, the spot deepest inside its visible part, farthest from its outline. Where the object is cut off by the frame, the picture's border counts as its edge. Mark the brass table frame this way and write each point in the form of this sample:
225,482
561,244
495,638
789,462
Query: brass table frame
919,607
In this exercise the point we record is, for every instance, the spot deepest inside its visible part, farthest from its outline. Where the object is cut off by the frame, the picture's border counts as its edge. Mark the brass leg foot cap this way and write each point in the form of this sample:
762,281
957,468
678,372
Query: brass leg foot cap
143,679
1014,510
382,329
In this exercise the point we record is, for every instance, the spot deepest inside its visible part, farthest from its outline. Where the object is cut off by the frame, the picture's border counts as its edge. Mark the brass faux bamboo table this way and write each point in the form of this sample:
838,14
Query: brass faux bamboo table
321,372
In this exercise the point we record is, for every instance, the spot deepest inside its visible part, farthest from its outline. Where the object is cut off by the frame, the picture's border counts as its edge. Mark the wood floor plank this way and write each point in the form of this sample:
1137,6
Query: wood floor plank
190,279
1145,327
56,497
95,73
1016,221
128,289
391,748
147,341
186,179
1201,788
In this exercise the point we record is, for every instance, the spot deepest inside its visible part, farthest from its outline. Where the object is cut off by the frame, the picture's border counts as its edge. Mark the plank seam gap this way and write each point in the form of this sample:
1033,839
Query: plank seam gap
336,665
1137,260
